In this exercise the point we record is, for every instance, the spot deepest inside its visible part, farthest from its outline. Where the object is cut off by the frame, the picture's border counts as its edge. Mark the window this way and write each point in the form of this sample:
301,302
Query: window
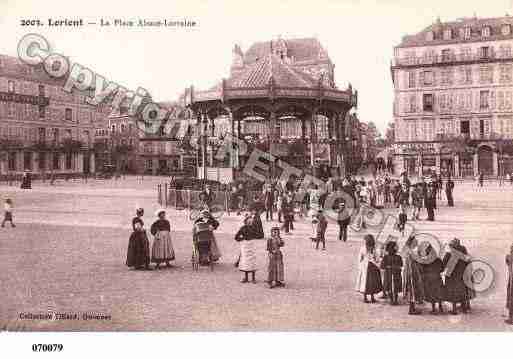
113,128
446,78
427,78
446,55
68,134
466,33
55,138
413,103
11,88
10,109
123,127
411,79
42,134
11,159
506,29
505,72
486,31
447,34
41,90
427,102
68,114
130,128
466,53
467,75
42,112
465,128
484,99
484,52
486,74
505,51
56,162
69,161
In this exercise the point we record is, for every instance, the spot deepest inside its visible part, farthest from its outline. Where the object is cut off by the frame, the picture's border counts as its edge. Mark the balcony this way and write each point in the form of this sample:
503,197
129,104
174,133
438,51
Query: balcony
451,59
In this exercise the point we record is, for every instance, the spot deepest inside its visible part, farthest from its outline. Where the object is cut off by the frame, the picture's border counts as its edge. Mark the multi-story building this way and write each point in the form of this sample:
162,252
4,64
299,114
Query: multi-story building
43,129
453,107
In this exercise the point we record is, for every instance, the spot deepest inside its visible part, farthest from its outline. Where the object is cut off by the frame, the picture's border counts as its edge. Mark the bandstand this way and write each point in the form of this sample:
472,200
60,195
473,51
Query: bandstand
278,109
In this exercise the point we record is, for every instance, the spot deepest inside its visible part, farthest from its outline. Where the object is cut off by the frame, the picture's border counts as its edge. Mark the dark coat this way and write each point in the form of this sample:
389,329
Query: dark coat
456,290
393,280
434,290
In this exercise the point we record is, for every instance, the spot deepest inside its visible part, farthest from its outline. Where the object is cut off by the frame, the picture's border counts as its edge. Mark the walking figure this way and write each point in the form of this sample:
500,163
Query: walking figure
8,213
275,268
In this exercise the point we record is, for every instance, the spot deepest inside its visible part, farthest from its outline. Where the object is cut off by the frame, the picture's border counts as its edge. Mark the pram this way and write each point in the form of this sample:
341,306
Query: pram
201,246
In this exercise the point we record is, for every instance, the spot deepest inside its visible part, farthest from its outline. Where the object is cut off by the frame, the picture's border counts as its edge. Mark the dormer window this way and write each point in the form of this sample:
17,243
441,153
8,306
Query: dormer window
486,31
447,34
506,29
430,36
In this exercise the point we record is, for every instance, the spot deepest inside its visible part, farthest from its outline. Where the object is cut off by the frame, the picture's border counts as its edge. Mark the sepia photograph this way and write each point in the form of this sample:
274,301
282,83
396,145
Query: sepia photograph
271,166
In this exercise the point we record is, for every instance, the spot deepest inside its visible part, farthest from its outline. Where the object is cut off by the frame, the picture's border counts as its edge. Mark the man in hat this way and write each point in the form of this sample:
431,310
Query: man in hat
321,224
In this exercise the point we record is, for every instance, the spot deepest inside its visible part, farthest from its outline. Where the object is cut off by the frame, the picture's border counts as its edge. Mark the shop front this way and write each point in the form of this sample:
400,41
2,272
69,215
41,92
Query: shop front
429,165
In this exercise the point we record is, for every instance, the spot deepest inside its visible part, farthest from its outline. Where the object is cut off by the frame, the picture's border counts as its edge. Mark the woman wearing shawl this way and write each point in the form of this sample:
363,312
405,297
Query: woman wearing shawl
248,259
368,281
432,268
392,264
162,249
275,268
456,289
138,253
413,287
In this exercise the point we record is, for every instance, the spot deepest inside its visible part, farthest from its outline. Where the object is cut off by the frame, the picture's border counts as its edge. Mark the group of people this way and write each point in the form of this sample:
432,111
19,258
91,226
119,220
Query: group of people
417,272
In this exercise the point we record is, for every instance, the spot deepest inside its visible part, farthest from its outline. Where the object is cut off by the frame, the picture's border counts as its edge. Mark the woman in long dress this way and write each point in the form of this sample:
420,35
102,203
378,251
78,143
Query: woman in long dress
138,253
432,268
456,289
275,267
413,287
248,257
162,249
368,281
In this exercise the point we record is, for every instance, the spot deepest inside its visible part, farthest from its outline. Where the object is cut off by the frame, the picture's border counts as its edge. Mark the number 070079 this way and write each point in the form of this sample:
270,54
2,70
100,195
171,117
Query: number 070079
47,347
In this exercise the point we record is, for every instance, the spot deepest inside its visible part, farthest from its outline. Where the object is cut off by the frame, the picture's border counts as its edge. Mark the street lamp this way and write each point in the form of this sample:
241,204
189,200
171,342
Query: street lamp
204,148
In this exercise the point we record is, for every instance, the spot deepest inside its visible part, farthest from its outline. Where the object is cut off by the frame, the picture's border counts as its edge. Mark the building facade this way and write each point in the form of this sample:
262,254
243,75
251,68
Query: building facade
43,129
453,88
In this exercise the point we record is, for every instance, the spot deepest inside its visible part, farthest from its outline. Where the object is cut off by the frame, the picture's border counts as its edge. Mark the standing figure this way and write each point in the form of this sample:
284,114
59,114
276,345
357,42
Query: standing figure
138,253
207,218
432,268
248,258
268,202
26,180
162,249
288,214
392,264
429,202
481,179
455,287
402,218
368,281
413,288
275,268
509,288
8,213
343,220
320,224
449,187
417,199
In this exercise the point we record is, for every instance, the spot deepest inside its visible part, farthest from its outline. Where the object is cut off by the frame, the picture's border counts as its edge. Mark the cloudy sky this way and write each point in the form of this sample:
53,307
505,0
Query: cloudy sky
359,36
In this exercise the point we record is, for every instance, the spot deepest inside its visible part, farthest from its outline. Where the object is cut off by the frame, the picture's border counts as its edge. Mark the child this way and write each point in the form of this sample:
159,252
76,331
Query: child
275,268
321,224
392,264
401,220
8,213
247,262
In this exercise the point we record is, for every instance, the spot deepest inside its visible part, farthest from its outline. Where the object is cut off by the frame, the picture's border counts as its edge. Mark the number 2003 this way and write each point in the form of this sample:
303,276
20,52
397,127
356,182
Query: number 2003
47,347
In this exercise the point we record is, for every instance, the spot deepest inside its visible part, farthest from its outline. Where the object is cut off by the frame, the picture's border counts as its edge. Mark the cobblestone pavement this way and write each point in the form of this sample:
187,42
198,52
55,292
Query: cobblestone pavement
68,250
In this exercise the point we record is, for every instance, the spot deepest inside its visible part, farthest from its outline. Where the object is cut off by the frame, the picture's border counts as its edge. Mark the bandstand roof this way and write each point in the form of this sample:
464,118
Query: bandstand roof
270,77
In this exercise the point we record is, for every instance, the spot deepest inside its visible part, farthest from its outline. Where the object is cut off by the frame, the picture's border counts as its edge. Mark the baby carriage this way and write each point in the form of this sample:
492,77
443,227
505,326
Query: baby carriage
201,247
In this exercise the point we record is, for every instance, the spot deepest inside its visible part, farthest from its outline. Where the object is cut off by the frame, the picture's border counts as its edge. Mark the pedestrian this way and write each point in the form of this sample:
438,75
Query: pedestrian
275,268
392,264
320,224
268,203
413,288
343,220
8,209
449,187
205,217
247,262
432,268
138,253
279,206
288,214
509,287
402,218
368,281
481,179
26,180
417,199
162,250
429,202
455,287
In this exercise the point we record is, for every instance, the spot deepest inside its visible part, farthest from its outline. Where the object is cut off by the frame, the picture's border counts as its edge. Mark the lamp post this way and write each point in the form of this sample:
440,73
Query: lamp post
204,148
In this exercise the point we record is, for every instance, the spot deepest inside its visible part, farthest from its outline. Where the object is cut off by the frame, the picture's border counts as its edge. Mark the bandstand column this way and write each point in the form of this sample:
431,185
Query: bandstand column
274,138
313,139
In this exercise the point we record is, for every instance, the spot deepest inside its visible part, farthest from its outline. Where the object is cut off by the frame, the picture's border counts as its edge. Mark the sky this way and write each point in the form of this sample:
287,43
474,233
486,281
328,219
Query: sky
359,36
